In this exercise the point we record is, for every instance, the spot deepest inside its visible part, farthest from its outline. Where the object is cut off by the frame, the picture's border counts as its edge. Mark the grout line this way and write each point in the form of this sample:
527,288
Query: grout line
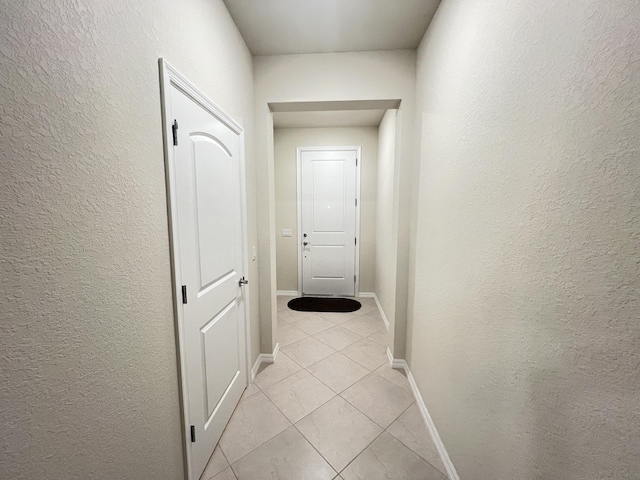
356,407
412,448
224,455
293,424
320,380
366,416
270,438
384,430
320,340
407,446
368,445
282,379
312,445
336,394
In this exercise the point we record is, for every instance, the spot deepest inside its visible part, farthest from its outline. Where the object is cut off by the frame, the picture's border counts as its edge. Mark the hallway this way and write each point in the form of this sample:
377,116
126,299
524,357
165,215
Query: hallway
499,231
330,404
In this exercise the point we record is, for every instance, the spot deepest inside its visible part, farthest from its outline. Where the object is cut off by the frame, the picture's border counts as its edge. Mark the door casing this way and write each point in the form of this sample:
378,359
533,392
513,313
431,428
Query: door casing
299,151
170,76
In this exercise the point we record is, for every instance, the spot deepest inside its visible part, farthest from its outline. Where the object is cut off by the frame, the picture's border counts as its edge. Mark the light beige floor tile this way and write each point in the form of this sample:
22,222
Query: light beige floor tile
378,399
226,474
338,337
288,456
367,353
285,317
373,314
297,315
283,300
395,376
313,324
410,429
252,389
307,351
368,305
299,395
380,336
387,459
281,369
338,431
254,421
217,463
338,317
289,333
338,372
362,326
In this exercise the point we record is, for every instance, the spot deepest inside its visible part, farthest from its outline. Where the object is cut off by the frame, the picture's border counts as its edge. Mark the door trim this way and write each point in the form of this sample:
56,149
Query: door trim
169,76
299,151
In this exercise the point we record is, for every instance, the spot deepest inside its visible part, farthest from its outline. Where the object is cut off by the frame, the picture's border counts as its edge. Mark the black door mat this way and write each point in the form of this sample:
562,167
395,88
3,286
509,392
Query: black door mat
324,304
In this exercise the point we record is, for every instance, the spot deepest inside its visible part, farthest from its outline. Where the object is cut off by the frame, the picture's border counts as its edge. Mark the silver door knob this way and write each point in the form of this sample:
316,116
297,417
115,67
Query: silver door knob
243,281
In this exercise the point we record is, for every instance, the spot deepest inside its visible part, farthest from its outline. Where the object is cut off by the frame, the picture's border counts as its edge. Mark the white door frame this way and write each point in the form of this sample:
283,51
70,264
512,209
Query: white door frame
169,76
299,151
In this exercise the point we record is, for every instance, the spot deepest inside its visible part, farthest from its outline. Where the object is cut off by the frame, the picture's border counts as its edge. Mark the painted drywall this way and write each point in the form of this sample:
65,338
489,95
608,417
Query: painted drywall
526,339
385,266
333,77
286,140
88,370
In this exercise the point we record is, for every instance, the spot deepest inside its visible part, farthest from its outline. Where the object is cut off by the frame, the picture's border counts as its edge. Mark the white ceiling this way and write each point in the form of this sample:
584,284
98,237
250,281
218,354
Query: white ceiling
279,27
335,118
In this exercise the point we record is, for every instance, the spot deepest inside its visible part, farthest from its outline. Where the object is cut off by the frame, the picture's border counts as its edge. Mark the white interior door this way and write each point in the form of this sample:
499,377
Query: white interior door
208,213
328,195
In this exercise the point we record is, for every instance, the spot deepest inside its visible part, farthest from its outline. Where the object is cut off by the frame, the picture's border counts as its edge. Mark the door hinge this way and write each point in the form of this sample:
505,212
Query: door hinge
356,202
174,129
355,241
354,279
356,162
193,434
184,294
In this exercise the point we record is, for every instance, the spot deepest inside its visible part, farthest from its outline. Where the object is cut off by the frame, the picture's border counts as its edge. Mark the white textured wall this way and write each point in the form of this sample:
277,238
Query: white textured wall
286,140
334,77
385,266
526,334
88,374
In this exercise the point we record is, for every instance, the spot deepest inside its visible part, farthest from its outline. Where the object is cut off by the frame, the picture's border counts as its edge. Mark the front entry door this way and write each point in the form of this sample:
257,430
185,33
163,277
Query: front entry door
328,221
208,213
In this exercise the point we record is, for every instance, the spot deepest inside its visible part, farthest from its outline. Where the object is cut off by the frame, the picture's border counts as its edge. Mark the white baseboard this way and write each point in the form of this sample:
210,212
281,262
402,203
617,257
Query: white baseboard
366,295
384,317
394,362
287,293
442,451
256,367
266,358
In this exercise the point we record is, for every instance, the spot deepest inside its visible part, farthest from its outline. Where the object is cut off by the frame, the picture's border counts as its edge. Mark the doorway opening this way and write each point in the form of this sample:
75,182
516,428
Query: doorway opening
326,187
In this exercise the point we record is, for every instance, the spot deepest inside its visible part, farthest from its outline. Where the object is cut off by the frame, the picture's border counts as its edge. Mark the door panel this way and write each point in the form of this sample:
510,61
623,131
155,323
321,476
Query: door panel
328,219
328,197
215,213
209,225
223,357
328,261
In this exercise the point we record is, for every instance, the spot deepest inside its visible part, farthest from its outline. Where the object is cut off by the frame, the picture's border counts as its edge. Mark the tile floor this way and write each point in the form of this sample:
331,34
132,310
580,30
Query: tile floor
330,407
